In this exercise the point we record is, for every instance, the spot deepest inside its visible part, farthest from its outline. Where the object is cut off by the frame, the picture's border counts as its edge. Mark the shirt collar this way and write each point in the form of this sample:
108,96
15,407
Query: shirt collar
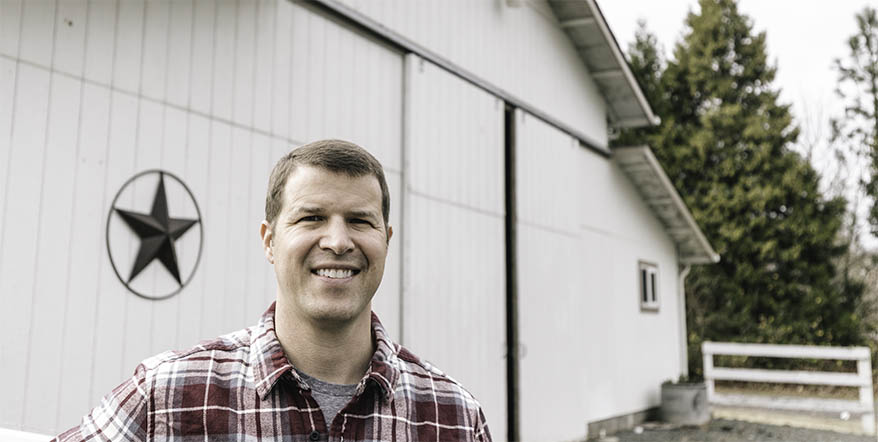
267,357
383,368
269,363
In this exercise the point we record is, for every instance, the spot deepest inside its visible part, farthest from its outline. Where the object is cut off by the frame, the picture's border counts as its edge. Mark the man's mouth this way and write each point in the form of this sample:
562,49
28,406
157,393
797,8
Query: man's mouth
335,273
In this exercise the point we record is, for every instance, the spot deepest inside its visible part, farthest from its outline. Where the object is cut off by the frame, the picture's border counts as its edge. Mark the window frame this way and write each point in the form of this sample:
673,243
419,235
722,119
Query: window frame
647,278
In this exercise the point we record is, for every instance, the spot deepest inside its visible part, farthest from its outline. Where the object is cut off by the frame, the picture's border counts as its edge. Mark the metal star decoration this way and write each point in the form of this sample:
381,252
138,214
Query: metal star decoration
157,232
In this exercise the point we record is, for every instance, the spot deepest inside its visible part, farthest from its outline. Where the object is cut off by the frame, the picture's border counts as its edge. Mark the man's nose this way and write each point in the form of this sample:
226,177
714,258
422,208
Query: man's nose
337,237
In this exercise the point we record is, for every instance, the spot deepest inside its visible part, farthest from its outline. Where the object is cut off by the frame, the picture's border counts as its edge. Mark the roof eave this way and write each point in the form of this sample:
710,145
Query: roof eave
572,16
644,170
649,116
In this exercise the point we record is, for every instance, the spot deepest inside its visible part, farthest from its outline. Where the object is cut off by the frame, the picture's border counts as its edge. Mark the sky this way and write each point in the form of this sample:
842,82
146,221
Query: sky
803,37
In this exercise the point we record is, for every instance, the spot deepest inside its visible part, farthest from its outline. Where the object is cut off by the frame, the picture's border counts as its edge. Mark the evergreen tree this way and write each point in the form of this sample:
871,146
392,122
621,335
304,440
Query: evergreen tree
858,88
725,142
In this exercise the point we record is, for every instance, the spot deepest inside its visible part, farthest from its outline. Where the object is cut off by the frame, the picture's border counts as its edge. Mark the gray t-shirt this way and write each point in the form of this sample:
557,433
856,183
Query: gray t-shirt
330,397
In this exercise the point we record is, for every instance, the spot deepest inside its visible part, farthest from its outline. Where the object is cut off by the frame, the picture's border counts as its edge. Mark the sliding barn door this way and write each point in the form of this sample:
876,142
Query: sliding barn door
453,241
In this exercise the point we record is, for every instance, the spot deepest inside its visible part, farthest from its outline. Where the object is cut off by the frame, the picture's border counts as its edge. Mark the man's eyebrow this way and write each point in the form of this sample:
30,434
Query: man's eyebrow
363,214
307,209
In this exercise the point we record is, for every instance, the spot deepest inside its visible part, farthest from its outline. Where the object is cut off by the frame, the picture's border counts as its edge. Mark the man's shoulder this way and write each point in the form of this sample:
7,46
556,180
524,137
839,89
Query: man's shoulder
419,376
231,348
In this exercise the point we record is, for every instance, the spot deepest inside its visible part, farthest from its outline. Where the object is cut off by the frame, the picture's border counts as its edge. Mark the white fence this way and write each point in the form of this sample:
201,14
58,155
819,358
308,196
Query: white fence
862,379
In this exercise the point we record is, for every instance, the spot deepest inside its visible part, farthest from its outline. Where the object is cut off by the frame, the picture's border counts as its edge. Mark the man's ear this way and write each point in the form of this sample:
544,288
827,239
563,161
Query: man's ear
389,233
267,240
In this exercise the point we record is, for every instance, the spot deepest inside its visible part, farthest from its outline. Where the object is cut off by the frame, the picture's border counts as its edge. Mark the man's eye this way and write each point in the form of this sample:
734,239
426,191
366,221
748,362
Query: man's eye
360,221
311,218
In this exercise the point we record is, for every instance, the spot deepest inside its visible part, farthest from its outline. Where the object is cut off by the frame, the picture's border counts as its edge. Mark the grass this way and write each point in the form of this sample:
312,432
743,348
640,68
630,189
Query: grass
790,390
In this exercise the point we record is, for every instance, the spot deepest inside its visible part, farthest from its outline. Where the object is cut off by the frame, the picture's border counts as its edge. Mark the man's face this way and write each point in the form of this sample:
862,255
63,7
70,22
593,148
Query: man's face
328,245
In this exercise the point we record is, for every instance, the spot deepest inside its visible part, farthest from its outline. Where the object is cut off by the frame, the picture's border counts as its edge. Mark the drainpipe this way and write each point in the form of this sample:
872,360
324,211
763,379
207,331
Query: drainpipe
681,313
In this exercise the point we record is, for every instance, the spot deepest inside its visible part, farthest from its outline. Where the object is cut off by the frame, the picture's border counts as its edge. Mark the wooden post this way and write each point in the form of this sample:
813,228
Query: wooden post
864,370
707,355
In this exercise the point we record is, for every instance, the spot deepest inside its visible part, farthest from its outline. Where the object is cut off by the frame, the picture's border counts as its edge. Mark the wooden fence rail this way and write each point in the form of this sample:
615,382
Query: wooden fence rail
862,379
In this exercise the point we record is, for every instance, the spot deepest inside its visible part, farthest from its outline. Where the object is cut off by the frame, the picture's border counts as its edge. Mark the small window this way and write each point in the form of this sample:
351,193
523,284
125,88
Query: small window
649,299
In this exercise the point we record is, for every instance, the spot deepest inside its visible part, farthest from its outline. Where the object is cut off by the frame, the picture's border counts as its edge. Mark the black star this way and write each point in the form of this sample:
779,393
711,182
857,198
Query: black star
157,232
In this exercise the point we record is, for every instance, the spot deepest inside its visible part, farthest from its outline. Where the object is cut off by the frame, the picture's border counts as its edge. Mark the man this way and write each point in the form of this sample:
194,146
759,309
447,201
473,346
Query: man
318,365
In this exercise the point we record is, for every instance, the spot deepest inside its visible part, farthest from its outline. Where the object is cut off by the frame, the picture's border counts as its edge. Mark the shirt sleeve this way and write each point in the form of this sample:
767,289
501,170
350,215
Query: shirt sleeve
482,433
121,415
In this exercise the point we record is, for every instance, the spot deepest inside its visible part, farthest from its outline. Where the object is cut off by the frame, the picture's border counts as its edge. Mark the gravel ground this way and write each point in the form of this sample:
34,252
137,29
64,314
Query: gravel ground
720,430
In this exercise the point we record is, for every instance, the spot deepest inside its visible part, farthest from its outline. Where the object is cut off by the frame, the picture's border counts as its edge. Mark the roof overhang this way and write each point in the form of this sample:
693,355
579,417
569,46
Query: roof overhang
647,174
585,25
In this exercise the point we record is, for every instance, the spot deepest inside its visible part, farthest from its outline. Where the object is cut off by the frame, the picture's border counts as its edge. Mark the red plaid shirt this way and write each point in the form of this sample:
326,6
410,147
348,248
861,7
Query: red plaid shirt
241,387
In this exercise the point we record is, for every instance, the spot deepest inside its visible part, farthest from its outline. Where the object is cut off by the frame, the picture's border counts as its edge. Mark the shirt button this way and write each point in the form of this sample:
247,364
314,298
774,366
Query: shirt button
315,436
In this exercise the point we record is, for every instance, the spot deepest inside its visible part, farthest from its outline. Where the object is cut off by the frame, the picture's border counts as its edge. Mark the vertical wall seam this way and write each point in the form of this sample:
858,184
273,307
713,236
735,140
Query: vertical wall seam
324,29
291,80
208,207
229,220
72,213
273,80
212,111
191,56
253,99
161,150
11,133
254,81
255,69
97,303
408,63
186,132
137,148
30,326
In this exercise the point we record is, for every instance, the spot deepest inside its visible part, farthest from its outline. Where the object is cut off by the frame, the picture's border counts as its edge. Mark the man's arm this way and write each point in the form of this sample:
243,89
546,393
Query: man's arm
482,433
121,415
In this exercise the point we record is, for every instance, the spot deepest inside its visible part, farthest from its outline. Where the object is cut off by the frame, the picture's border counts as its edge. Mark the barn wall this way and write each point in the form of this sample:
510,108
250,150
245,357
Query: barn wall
214,92
522,50
644,347
455,289
585,342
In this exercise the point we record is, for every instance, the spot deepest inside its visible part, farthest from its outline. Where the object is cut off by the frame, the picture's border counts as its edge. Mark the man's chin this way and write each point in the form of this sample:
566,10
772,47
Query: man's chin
336,315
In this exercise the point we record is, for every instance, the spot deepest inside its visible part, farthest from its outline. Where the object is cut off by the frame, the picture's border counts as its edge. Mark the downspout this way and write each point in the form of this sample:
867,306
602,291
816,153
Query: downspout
681,314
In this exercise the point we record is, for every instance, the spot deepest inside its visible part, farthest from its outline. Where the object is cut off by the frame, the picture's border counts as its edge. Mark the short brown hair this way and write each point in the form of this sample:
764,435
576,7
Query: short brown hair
337,156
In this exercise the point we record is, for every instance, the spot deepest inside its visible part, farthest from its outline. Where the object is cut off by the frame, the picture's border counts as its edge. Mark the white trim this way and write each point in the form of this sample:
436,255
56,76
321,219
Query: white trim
9,435
648,281
631,159
623,64
786,351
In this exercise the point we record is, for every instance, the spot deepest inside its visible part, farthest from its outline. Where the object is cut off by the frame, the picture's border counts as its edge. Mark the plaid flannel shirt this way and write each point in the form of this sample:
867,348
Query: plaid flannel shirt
242,387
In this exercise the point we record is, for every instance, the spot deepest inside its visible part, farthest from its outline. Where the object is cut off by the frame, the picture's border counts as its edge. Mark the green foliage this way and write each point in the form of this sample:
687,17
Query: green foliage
725,143
858,88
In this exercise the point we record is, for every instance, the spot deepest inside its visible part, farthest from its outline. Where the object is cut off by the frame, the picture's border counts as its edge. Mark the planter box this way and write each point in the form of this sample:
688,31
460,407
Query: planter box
685,403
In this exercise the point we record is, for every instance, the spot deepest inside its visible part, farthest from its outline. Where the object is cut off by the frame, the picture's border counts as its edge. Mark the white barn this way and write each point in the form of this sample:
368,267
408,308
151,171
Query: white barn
522,243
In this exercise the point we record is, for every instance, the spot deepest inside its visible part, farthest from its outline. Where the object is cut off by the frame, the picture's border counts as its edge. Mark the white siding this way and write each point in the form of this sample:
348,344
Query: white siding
616,219
19,237
454,306
582,229
550,278
522,50
214,93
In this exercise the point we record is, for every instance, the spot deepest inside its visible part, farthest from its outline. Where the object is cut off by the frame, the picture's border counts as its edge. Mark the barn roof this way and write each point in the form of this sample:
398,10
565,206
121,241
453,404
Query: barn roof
644,170
585,25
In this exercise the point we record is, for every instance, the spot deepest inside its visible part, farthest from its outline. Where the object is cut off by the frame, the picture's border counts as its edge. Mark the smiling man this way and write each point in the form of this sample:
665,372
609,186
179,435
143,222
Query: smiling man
318,365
